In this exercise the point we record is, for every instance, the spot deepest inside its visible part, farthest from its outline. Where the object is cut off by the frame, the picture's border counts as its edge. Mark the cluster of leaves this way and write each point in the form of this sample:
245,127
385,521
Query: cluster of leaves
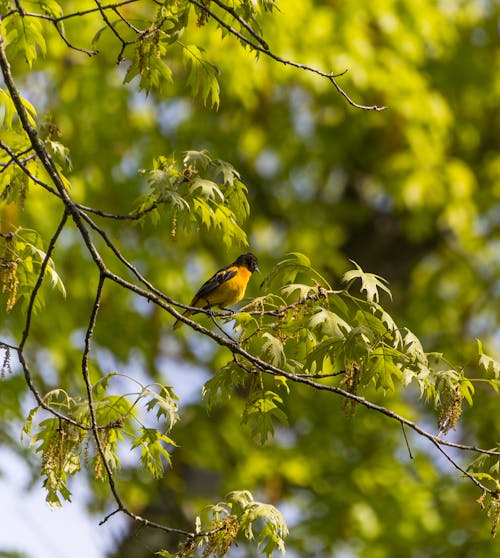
151,57
238,514
22,257
151,47
14,182
310,330
66,446
26,33
200,192
492,507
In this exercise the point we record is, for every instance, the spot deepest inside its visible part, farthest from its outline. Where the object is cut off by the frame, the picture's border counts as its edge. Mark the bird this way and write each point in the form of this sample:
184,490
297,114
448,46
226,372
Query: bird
227,286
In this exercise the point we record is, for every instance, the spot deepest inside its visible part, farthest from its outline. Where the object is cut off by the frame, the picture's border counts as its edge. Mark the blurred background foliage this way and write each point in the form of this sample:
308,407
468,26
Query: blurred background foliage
411,193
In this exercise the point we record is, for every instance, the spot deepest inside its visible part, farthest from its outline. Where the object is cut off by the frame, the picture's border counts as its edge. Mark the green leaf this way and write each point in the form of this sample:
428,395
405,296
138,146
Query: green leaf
202,77
60,153
60,445
228,172
467,390
148,64
55,279
261,411
287,270
236,197
153,453
208,189
24,35
273,349
220,387
265,523
165,404
383,370
329,323
325,355
51,8
413,347
7,111
301,289
495,384
487,363
28,423
370,283
194,158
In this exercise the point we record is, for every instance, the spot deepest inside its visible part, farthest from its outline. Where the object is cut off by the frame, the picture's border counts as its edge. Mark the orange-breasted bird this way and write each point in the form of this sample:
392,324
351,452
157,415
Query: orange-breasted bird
227,286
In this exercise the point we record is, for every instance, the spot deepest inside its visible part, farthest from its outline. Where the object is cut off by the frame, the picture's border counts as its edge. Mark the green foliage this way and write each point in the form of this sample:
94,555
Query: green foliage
217,202
148,63
22,259
238,514
153,47
66,446
370,283
25,35
262,409
153,451
202,78
314,331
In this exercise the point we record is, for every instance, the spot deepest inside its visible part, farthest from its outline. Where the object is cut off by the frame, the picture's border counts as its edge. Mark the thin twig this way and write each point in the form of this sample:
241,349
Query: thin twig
71,15
321,376
263,366
242,22
71,45
20,156
95,426
406,441
330,76
105,273
126,21
29,315
90,397
123,42
15,158
118,217
258,43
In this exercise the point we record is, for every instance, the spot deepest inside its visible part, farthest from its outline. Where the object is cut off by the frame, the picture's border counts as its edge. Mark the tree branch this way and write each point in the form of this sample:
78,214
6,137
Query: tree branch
243,23
123,42
260,48
29,314
21,164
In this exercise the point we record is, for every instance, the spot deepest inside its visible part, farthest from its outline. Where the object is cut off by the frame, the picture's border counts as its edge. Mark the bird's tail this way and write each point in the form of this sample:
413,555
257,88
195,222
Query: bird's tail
179,323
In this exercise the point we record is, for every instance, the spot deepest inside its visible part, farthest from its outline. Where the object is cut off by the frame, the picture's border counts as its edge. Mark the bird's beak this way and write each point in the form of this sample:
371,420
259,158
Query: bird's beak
256,270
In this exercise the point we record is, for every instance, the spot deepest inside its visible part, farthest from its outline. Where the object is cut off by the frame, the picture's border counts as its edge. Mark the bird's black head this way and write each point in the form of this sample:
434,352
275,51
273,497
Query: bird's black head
249,261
